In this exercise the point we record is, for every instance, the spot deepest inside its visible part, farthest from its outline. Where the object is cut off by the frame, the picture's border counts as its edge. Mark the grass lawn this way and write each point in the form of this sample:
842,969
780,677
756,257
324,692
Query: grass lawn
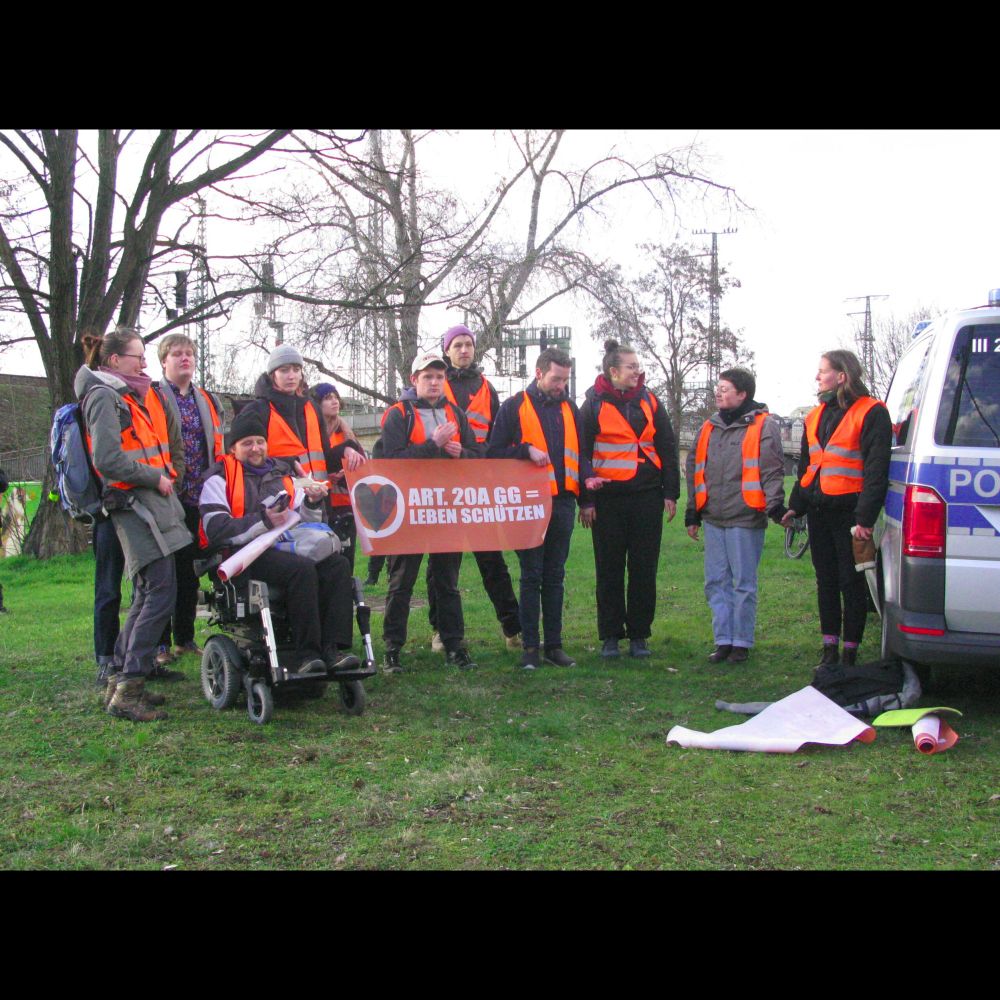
487,770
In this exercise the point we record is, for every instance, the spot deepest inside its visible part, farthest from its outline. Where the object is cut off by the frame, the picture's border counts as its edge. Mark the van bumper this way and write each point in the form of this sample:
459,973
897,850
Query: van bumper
954,649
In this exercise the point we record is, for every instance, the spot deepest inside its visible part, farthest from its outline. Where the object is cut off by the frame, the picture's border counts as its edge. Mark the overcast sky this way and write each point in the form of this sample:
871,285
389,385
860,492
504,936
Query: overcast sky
908,214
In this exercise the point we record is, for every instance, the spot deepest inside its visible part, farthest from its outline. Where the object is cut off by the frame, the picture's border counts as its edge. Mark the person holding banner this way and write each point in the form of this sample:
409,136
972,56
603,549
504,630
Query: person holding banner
247,494
426,427
636,478
469,389
542,425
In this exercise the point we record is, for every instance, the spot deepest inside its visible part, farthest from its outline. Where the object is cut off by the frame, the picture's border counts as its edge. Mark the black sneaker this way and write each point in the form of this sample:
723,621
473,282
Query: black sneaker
311,665
721,653
342,661
529,658
740,654
460,658
558,658
160,673
610,650
639,649
831,655
390,662
104,674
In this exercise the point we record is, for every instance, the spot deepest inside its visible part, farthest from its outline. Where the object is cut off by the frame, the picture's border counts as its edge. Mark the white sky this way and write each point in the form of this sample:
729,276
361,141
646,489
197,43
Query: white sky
910,214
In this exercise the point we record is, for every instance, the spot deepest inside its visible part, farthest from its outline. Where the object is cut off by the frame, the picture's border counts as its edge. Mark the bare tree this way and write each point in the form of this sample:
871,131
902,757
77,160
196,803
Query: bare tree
892,334
664,315
80,242
386,234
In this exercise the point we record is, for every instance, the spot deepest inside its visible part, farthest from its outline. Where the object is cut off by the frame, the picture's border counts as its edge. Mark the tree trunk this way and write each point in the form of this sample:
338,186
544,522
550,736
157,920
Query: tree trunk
53,532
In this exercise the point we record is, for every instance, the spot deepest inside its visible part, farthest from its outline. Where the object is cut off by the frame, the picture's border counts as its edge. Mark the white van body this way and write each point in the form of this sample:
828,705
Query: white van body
937,576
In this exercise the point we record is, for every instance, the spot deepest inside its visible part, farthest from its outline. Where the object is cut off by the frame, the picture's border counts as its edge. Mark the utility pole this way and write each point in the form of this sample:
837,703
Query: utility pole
866,339
714,332
201,297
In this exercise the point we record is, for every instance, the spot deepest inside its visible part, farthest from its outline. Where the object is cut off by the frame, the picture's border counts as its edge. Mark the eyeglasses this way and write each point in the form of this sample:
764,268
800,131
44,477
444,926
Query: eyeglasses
141,357
631,368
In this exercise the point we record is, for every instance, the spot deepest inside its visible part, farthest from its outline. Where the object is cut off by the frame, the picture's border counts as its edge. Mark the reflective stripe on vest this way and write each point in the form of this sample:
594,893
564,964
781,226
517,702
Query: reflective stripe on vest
218,448
753,494
478,411
840,464
532,433
236,492
423,428
146,439
340,495
616,447
283,442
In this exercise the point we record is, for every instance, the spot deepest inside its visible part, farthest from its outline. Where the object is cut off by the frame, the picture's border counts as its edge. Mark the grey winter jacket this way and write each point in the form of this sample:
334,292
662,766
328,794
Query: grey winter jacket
106,415
725,507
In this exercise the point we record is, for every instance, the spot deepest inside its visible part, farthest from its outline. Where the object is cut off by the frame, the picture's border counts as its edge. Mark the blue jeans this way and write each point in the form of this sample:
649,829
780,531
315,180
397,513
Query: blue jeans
108,571
731,559
542,571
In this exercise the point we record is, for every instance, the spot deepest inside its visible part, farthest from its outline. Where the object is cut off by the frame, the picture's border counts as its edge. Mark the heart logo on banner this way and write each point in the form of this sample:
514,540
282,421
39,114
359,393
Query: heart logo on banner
377,503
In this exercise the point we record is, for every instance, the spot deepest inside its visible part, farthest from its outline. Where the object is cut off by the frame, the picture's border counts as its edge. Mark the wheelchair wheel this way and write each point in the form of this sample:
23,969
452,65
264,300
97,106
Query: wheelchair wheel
796,538
221,672
353,697
260,703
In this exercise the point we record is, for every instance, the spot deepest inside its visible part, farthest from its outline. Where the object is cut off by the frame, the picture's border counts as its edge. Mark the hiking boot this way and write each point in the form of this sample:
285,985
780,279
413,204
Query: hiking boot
529,658
390,662
187,647
513,641
639,649
163,656
127,701
721,653
831,655
740,654
147,697
437,646
610,650
460,658
849,657
311,665
558,658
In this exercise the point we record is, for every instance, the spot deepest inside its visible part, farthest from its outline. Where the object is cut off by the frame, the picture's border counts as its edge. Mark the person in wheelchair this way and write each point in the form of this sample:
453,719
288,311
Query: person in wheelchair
247,494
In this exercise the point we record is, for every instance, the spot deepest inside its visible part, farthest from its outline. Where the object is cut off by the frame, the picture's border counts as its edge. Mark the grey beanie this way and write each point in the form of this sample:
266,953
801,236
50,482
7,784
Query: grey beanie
283,354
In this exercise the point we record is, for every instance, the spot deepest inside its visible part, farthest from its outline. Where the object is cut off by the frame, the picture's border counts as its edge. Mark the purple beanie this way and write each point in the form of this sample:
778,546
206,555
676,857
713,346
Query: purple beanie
456,331
324,389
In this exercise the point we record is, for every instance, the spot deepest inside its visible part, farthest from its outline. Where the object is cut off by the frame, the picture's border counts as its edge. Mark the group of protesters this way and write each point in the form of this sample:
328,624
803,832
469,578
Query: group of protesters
170,476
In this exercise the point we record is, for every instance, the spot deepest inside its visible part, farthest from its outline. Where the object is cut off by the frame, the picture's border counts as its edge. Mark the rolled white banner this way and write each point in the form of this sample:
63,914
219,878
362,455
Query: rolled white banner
243,557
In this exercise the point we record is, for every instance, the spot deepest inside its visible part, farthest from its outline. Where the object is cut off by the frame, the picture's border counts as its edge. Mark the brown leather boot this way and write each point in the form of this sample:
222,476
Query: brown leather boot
148,697
127,701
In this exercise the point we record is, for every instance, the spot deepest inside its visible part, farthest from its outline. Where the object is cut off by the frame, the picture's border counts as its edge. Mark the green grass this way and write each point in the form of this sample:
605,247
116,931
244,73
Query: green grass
487,770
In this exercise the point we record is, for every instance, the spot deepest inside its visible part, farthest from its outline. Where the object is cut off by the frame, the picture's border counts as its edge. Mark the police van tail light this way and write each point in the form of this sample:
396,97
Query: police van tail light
925,523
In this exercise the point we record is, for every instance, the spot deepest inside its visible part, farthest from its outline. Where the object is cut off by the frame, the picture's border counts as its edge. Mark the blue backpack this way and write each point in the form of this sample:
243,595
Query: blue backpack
79,490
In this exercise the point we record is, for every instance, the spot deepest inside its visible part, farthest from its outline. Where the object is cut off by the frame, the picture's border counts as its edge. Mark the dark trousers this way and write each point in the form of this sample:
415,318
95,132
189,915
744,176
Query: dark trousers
496,580
109,567
154,591
375,564
627,533
182,620
838,584
318,598
543,569
403,572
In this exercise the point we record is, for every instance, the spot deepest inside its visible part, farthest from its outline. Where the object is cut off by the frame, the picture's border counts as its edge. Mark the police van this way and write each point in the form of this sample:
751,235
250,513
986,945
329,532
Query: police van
937,574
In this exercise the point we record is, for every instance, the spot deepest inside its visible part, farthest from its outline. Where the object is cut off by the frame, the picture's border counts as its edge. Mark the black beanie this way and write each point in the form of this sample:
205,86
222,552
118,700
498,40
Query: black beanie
247,423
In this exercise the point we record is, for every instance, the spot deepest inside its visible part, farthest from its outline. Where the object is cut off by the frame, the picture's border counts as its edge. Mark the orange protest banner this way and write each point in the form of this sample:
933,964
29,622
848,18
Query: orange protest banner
404,506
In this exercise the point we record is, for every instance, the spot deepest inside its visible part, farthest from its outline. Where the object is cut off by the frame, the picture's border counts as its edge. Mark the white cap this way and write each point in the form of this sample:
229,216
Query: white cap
427,360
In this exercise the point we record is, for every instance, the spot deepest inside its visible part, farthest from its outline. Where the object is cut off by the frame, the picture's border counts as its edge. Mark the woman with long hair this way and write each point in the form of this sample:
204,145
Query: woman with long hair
842,482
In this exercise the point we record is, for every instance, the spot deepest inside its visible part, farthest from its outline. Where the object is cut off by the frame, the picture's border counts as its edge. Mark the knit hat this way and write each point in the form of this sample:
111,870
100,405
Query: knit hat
283,354
246,423
323,389
427,360
456,331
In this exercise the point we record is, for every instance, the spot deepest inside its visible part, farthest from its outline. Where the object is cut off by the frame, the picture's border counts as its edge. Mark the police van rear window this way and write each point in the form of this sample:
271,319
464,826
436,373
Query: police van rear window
969,414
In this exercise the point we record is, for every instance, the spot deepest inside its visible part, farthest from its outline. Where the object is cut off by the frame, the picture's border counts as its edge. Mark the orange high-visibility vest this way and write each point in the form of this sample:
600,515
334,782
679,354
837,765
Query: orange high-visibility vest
616,446
840,465
478,411
146,439
753,495
532,433
236,492
425,426
217,442
283,442
340,495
